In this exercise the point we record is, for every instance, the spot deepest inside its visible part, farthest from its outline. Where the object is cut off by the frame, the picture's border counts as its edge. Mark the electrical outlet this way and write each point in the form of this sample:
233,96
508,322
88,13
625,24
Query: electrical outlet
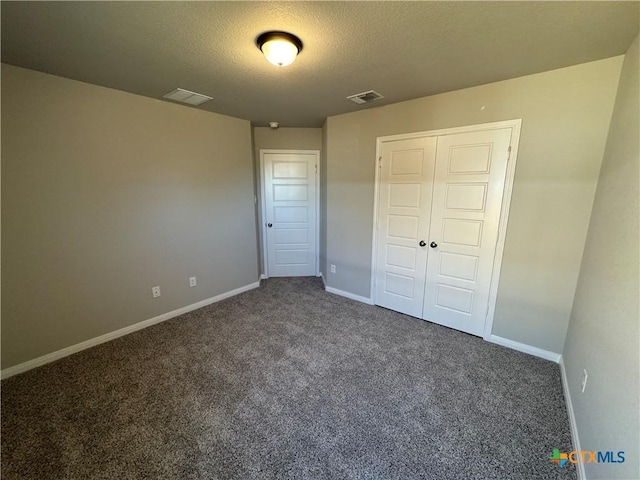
155,291
583,384
192,281
333,269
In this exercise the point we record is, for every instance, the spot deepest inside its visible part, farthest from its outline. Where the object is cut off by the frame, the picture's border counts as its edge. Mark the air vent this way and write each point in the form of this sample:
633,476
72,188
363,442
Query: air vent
185,96
365,97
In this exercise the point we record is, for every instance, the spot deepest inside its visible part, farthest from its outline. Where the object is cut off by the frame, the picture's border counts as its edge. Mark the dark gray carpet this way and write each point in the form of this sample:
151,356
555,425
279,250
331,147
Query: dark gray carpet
287,381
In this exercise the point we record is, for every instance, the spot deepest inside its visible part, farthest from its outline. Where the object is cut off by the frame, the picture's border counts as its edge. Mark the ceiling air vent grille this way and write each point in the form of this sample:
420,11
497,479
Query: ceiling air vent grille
365,97
186,96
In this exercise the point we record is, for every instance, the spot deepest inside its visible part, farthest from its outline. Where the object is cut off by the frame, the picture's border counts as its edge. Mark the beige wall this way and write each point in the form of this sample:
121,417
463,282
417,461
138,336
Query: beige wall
106,194
287,138
265,138
603,335
565,114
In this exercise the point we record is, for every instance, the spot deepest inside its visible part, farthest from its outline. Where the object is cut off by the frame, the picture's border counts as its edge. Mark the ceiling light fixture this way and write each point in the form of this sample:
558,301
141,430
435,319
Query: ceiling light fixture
280,48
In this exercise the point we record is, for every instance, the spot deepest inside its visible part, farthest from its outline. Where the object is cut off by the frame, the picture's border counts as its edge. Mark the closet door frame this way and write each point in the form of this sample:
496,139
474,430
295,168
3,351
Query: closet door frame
515,126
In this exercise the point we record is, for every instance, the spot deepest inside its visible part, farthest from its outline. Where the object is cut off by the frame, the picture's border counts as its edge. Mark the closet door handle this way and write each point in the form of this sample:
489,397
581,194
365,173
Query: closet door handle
269,225
433,244
422,243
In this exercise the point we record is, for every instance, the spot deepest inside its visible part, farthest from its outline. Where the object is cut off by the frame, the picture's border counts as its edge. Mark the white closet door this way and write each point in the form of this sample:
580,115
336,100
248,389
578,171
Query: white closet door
404,203
467,197
291,210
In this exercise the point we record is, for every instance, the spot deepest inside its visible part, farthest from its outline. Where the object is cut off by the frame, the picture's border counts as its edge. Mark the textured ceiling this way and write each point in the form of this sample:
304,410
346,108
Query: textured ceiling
403,50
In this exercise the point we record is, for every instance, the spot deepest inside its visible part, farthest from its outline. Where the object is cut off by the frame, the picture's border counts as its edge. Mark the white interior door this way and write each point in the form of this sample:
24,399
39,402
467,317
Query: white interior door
404,203
291,213
467,197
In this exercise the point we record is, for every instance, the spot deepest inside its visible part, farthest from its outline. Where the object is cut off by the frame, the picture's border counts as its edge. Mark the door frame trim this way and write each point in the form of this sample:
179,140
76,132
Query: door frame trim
515,126
263,212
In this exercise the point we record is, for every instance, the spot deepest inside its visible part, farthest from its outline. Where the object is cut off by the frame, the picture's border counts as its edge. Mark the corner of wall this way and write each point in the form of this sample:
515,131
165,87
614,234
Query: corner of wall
603,332
256,195
323,202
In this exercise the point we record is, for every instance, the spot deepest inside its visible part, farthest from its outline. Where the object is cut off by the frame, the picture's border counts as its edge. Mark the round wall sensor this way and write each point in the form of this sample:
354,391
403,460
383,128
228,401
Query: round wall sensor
273,125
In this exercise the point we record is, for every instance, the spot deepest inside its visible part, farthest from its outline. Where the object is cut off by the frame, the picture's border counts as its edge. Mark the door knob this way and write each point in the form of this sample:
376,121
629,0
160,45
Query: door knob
433,244
269,225
422,243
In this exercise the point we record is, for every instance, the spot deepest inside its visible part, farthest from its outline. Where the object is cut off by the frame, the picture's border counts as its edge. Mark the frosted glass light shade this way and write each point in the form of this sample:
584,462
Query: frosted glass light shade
280,48
280,52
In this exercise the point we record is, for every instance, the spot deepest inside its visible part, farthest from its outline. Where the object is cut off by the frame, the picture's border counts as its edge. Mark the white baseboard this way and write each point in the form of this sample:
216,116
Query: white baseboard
324,282
65,352
572,419
263,276
352,296
523,347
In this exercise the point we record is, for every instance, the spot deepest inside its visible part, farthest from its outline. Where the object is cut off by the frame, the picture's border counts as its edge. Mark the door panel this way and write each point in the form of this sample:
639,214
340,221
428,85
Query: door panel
406,181
291,210
467,197
455,265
